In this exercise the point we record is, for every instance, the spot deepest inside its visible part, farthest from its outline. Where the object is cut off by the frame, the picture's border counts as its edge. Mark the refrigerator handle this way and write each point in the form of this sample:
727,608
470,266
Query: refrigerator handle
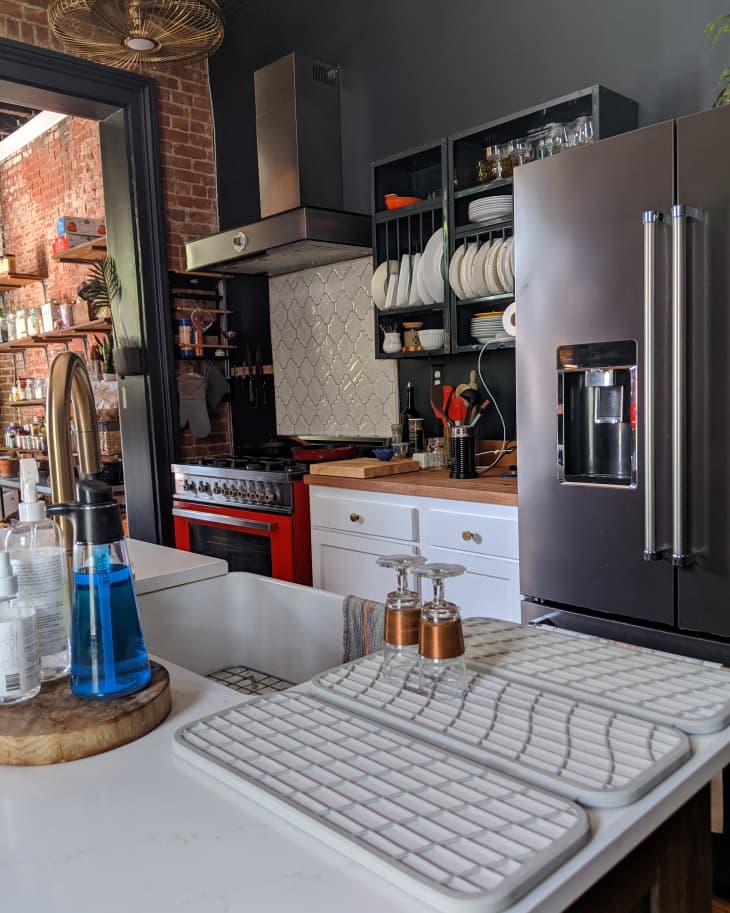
680,216
650,219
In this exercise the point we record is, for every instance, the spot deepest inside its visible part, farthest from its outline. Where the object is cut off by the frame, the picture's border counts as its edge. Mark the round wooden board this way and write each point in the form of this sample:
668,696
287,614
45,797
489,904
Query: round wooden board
58,726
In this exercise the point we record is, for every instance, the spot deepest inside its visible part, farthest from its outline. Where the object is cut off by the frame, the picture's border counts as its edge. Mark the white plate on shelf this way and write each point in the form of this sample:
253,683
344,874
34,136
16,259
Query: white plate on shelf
432,266
502,268
511,261
423,292
454,268
391,297
478,281
404,277
379,281
465,273
490,204
491,276
414,297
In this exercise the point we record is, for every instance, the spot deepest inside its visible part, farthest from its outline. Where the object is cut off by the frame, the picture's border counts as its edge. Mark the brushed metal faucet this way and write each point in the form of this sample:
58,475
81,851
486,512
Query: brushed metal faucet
68,383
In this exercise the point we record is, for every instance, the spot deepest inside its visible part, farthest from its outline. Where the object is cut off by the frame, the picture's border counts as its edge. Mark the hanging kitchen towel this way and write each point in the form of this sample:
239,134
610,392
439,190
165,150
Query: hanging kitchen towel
191,390
216,386
362,627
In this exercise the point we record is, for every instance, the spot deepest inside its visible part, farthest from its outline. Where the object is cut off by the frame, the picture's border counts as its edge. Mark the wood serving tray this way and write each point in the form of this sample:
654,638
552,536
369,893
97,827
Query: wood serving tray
58,726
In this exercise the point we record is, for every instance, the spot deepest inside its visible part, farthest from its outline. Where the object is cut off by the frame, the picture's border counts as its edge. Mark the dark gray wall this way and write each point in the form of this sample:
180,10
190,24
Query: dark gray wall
415,70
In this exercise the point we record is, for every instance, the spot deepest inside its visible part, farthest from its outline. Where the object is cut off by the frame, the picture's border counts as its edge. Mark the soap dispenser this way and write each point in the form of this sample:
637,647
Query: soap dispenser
108,653
35,546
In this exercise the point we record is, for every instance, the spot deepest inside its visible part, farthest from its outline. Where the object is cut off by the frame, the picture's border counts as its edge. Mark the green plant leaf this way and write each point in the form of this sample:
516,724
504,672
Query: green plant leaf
715,27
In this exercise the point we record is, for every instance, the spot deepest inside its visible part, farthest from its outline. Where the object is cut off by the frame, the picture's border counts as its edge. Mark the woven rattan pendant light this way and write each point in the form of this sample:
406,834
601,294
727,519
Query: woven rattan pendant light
134,34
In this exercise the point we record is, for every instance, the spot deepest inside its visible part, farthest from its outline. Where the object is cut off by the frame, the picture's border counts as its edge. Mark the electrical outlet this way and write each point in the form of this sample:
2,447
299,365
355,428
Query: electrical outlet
437,375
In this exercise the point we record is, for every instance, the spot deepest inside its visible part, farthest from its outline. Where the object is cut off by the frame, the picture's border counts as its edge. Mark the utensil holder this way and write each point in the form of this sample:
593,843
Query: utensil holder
463,453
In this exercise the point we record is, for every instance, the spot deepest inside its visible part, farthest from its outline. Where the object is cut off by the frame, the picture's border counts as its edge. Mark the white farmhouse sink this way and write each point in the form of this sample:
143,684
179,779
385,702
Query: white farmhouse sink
285,629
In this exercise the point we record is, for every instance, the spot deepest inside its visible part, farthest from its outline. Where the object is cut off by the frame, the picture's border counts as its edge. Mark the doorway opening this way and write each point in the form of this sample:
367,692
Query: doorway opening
124,107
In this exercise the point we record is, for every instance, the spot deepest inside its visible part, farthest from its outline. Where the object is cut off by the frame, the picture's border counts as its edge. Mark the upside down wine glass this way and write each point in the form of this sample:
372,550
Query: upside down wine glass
441,665
402,616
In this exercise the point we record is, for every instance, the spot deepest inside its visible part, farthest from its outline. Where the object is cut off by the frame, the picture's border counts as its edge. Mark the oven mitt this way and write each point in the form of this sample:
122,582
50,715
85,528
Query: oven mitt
193,412
216,387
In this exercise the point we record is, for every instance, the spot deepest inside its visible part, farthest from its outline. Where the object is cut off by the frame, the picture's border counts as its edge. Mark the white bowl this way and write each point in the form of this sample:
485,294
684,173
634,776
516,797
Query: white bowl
431,339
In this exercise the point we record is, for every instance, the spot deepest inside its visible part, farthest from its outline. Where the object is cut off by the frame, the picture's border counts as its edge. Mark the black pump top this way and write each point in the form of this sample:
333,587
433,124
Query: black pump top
95,515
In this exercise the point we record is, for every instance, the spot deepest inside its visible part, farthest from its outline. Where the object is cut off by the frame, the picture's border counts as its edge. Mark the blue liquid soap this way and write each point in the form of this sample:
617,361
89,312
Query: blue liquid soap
108,654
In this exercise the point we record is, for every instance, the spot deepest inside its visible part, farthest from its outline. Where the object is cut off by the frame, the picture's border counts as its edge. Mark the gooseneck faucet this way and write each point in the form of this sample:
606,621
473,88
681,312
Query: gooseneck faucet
68,383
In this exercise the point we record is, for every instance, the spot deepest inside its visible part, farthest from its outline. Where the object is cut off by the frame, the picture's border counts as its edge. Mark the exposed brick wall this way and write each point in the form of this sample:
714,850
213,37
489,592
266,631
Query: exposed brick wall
186,123
59,173
187,157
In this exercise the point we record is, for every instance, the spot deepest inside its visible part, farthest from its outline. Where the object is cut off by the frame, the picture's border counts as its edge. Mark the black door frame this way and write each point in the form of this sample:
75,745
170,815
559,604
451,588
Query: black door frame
125,105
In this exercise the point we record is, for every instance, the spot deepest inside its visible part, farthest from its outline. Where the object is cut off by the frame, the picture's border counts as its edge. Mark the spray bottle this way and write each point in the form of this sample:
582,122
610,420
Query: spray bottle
35,546
108,653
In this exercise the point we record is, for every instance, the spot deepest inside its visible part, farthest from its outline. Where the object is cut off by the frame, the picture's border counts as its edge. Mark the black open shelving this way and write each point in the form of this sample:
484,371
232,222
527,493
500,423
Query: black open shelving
446,171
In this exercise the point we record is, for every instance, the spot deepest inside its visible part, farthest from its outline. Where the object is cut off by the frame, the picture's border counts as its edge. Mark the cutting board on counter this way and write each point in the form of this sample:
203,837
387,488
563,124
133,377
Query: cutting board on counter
364,468
58,726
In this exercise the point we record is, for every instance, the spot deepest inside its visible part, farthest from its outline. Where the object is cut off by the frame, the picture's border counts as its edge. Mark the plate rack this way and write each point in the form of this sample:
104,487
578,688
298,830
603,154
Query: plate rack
452,161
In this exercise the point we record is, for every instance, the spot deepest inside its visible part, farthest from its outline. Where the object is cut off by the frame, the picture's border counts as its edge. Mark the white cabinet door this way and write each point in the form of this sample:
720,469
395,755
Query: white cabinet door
344,563
490,587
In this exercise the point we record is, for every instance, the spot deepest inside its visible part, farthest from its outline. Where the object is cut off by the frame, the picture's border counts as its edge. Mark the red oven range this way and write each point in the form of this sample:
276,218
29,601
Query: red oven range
251,511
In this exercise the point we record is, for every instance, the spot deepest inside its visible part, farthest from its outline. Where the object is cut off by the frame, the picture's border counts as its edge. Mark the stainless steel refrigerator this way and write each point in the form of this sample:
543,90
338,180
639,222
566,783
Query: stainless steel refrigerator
623,385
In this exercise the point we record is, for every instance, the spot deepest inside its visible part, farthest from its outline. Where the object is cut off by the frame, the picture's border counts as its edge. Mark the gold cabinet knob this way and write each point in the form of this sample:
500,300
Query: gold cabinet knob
354,518
467,536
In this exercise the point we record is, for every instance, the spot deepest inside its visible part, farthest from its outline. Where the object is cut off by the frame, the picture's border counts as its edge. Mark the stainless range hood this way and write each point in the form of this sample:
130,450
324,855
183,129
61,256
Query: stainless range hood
300,180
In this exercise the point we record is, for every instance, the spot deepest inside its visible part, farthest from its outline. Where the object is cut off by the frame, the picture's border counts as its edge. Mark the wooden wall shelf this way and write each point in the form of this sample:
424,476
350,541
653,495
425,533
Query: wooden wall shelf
18,280
83,253
67,333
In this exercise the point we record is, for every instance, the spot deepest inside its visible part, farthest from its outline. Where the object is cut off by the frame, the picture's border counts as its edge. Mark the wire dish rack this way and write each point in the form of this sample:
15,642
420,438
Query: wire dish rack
249,681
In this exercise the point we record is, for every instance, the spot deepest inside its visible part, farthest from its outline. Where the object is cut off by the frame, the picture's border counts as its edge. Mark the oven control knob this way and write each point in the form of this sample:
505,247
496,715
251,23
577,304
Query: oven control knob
235,492
189,485
204,488
225,489
268,495
217,489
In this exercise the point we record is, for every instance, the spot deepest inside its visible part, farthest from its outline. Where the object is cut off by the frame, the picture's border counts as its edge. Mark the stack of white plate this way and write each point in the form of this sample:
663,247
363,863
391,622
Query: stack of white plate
416,280
487,326
479,270
490,209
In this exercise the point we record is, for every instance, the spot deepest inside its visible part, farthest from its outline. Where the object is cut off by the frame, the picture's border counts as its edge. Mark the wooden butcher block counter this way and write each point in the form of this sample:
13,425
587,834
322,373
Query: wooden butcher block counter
489,488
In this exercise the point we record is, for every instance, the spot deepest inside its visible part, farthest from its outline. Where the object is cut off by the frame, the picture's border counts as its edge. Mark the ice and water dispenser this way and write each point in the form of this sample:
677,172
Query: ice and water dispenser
597,413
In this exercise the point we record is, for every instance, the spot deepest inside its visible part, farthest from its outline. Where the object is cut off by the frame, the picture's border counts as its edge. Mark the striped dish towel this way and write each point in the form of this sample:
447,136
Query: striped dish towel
362,627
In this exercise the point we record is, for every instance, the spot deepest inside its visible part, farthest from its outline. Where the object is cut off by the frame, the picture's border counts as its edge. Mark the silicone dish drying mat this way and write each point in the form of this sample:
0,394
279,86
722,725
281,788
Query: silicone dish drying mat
660,687
458,835
596,756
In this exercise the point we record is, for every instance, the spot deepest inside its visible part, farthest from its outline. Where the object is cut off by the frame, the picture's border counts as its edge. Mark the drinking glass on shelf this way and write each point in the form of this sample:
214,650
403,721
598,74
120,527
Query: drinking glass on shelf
402,617
441,665
521,152
582,130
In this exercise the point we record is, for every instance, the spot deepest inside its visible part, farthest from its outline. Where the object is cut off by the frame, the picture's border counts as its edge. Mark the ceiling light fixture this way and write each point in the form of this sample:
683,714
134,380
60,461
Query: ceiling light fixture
137,33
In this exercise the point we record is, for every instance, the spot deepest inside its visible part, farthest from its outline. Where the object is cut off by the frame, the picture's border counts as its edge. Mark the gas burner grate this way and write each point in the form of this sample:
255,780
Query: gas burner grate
249,681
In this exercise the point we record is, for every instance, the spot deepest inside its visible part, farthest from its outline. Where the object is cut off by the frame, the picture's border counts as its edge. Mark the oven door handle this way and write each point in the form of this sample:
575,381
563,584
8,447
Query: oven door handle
238,522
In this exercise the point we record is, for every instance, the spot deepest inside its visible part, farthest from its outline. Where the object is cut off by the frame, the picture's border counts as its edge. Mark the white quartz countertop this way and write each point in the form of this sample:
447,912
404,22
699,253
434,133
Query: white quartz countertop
157,567
138,829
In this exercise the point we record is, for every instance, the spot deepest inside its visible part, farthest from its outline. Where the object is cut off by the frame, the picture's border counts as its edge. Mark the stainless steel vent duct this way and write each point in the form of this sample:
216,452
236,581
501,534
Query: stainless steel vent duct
300,180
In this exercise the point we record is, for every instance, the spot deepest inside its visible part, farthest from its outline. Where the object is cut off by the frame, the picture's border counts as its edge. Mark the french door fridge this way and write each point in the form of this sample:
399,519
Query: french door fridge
623,385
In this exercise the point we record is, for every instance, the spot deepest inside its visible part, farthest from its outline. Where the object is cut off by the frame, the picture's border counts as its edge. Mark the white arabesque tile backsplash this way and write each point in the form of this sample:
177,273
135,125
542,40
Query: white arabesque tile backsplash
327,378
